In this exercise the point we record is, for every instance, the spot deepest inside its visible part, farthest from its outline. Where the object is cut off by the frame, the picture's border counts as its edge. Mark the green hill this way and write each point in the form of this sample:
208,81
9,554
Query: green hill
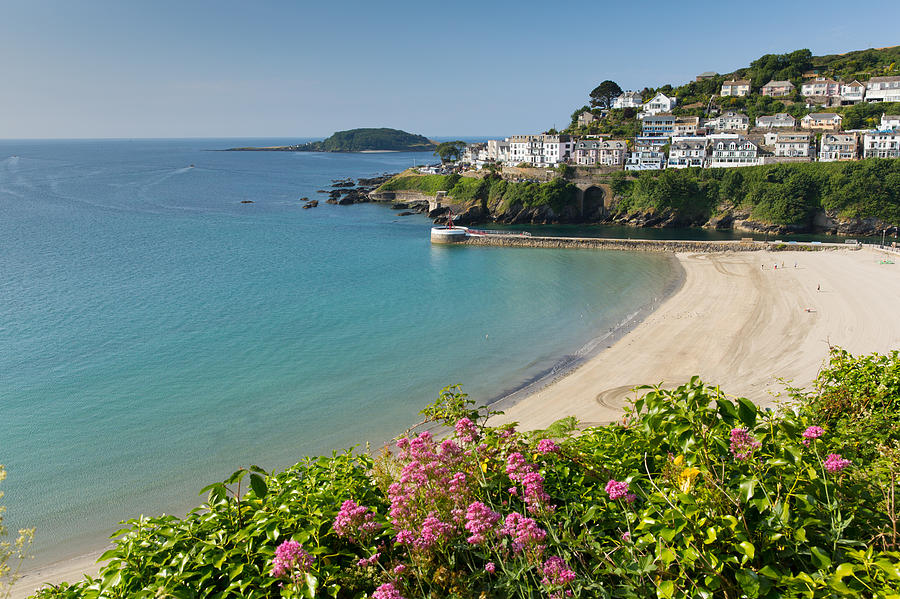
360,140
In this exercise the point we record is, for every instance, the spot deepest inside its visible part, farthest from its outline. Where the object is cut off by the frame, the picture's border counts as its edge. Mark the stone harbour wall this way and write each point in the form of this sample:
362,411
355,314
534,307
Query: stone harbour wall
652,245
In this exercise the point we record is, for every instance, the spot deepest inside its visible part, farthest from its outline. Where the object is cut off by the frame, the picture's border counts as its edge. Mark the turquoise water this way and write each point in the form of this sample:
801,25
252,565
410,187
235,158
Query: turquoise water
156,333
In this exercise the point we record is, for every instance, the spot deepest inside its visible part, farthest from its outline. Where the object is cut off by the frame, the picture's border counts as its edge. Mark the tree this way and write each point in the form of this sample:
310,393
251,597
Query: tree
450,151
603,95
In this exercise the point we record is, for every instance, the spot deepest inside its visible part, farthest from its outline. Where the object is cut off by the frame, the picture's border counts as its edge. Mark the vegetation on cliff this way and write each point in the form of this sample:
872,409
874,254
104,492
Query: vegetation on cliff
359,140
786,194
692,494
493,193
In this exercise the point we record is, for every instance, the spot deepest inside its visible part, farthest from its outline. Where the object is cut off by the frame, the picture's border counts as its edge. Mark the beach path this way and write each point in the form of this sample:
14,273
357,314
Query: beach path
740,323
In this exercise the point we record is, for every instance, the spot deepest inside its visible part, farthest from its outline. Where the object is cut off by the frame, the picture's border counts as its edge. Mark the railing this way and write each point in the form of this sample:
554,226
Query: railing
496,233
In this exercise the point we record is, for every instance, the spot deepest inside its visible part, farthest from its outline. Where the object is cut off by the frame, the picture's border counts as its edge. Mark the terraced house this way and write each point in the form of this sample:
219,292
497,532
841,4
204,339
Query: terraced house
853,92
838,146
687,153
794,144
728,153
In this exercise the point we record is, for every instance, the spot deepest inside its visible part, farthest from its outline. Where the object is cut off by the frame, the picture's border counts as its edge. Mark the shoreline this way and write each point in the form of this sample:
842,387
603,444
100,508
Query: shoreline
697,326
736,321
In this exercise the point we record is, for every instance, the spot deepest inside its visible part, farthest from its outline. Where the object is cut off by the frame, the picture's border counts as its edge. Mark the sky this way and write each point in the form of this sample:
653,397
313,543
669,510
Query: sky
279,68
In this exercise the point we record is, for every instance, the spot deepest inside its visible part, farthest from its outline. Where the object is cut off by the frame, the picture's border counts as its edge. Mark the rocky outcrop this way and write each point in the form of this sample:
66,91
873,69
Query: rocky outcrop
311,204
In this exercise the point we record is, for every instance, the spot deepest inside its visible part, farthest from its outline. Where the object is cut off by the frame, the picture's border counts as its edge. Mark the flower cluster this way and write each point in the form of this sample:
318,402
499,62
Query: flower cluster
743,444
617,490
519,471
547,446
556,572
387,591
432,485
480,520
368,561
291,560
811,434
835,463
526,535
355,522
466,430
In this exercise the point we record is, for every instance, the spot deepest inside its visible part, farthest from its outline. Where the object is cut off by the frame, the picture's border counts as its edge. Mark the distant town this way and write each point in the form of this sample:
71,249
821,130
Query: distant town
721,138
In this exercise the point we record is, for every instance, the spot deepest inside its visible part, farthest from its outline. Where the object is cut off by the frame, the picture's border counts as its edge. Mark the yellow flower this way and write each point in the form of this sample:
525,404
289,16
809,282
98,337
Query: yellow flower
686,478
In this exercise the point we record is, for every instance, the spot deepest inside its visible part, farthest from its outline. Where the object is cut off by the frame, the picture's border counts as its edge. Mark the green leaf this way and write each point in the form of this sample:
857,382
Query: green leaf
747,549
312,583
819,558
843,570
667,556
258,485
747,412
747,487
749,582
237,476
666,589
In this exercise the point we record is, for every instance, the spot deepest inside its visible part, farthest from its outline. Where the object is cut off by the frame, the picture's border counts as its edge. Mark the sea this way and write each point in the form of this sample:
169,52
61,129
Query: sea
158,330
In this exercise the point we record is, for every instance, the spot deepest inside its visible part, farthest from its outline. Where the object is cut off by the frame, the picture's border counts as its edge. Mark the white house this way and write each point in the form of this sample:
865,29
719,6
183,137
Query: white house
659,103
838,146
686,126
474,153
736,87
645,158
820,88
539,150
628,100
587,151
782,119
730,121
890,121
687,153
823,121
881,144
853,92
728,153
498,150
794,144
883,89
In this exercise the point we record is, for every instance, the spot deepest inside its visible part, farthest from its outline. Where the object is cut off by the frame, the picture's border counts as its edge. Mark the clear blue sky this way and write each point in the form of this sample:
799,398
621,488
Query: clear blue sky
198,68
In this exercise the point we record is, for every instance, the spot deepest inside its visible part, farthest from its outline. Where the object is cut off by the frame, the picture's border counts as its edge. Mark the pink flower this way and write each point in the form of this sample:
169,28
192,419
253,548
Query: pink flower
547,446
743,444
516,466
399,569
368,561
291,559
556,572
480,519
387,591
525,533
811,434
489,567
355,521
466,430
626,536
835,463
616,490
630,497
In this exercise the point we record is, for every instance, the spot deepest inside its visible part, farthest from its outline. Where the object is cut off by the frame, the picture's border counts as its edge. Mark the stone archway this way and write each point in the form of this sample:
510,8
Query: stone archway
592,201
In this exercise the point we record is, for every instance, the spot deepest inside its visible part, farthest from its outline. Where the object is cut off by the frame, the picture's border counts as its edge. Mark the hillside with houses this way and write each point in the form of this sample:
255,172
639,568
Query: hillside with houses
782,108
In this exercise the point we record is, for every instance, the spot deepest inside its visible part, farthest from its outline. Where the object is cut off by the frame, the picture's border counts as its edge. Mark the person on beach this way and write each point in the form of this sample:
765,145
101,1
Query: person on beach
819,287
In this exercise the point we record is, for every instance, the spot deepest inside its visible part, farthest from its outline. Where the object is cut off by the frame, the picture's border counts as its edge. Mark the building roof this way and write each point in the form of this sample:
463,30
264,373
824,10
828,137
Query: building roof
774,83
781,116
793,136
884,79
708,74
737,82
890,117
822,81
823,116
840,136
853,83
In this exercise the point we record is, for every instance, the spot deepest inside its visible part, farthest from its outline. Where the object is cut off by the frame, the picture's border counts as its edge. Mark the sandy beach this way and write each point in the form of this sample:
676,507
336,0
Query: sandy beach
736,321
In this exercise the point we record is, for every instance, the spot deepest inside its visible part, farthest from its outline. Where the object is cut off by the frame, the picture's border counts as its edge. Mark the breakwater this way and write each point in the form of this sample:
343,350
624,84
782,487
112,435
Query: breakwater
652,245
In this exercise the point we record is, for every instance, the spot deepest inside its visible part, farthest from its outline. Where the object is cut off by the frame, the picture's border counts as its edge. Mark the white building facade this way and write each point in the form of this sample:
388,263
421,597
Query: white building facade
794,145
838,146
730,153
687,153
881,144
883,89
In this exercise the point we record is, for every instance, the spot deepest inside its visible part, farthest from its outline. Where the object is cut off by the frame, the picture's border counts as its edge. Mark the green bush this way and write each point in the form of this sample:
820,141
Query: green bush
692,494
